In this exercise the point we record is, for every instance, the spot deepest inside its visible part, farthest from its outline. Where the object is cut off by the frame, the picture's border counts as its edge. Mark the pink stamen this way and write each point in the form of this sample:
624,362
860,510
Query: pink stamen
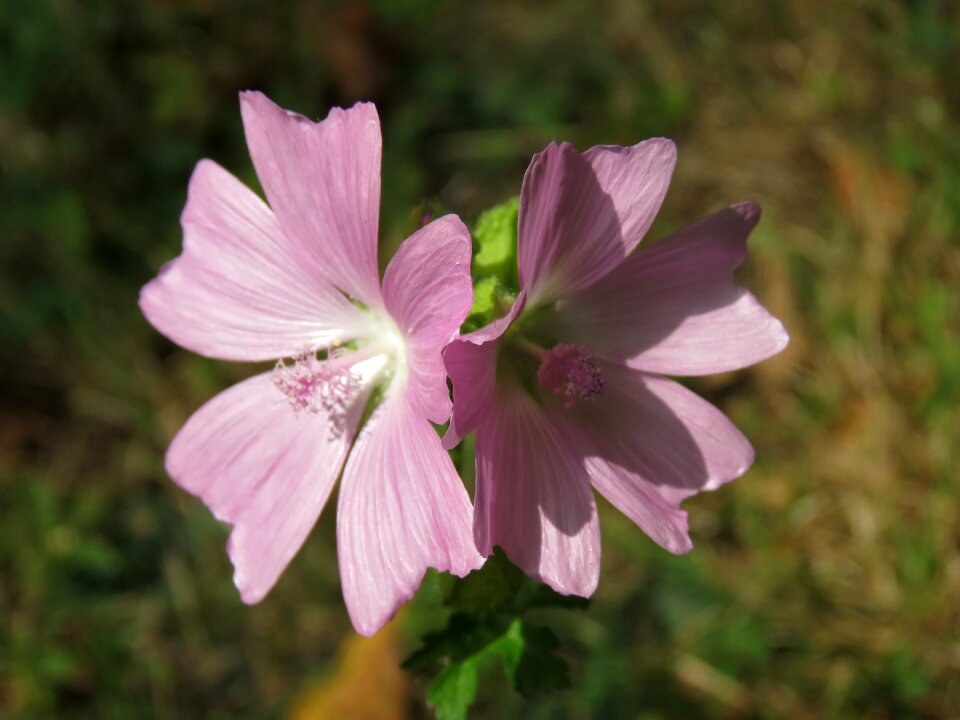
314,385
570,370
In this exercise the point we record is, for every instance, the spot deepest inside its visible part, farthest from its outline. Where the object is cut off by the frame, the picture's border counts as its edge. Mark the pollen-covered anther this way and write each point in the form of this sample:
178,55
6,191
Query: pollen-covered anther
571,371
314,385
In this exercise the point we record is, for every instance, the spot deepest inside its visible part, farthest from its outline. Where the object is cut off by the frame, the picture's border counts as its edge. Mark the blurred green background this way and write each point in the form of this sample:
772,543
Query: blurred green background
824,584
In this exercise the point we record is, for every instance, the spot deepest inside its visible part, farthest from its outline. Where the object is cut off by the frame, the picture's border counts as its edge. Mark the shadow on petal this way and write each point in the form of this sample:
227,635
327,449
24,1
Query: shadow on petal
661,432
673,308
534,498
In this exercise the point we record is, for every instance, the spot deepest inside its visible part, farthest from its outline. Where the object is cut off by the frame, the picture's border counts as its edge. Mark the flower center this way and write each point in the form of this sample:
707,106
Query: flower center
314,385
570,370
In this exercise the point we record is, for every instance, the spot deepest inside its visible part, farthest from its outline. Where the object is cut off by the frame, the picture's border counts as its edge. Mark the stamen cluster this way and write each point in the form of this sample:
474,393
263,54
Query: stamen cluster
317,385
570,370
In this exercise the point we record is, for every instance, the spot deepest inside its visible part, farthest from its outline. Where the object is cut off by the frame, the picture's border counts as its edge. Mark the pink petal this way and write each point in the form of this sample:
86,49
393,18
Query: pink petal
428,292
471,363
533,497
241,289
262,468
632,495
673,308
659,433
581,215
323,181
402,509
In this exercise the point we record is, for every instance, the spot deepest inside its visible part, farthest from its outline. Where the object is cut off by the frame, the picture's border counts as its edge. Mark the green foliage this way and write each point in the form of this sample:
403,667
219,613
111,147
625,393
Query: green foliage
487,624
486,290
495,238
529,659
494,264
453,690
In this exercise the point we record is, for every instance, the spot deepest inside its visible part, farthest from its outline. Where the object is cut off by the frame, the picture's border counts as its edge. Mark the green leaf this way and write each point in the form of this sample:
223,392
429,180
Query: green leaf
453,690
510,647
484,299
495,238
494,268
529,659
487,627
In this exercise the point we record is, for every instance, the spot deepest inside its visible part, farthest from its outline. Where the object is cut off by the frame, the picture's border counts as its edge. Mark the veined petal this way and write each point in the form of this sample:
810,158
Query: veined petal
637,179
659,433
533,497
672,307
402,509
582,214
636,498
471,363
241,289
428,292
323,182
264,469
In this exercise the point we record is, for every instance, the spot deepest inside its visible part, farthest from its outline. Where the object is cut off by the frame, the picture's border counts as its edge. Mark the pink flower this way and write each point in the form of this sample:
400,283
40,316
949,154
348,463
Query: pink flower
566,392
257,283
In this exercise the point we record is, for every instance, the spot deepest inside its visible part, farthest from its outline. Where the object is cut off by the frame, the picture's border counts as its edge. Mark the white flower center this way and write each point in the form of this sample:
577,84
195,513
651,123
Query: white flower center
331,385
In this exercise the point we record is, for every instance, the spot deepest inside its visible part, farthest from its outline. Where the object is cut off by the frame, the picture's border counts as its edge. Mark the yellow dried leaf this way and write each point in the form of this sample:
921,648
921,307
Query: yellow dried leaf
367,684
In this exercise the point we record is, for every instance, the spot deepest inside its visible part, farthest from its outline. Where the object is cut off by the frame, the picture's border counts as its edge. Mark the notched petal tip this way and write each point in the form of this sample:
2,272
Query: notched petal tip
554,146
366,107
683,546
663,148
249,593
582,214
369,628
459,233
780,335
553,152
254,100
361,114
584,585
146,300
666,145
255,103
749,210
322,180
